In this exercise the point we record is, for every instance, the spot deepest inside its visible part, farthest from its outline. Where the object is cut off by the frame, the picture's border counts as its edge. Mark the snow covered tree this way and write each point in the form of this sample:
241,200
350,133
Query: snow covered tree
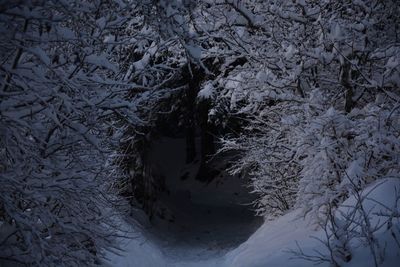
61,89
273,68
321,102
305,92
305,59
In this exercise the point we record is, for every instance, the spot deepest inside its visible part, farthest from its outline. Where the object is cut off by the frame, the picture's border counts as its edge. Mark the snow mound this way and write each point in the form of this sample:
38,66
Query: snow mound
272,244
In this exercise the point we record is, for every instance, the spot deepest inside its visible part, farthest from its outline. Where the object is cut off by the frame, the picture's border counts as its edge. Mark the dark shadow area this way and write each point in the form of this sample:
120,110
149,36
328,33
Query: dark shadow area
193,217
200,230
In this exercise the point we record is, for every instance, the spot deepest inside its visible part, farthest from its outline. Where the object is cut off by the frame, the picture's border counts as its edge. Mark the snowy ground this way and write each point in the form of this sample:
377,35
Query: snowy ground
200,235
210,226
268,246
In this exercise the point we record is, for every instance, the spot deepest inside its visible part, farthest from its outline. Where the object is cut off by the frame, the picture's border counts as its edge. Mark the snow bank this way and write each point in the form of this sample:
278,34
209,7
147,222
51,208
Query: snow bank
379,200
271,244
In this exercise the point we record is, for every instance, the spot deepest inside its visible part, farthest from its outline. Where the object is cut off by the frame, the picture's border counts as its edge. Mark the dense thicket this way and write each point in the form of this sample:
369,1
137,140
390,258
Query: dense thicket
312,89
321,91
300,79
61,90
307,92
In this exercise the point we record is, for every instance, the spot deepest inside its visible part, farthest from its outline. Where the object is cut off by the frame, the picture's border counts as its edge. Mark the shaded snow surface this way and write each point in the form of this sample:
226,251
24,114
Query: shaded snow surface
268,246
208,225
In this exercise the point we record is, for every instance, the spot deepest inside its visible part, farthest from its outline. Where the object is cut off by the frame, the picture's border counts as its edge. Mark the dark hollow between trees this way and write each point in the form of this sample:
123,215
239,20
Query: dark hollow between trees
181,184
211,213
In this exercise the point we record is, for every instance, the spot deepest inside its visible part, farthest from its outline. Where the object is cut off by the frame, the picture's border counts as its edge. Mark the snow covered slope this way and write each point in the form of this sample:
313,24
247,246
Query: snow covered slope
271,244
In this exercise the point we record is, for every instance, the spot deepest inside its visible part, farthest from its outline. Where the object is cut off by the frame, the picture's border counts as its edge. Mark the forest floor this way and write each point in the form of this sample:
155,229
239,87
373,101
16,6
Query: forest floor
208,225
208,237
199,235
201,232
